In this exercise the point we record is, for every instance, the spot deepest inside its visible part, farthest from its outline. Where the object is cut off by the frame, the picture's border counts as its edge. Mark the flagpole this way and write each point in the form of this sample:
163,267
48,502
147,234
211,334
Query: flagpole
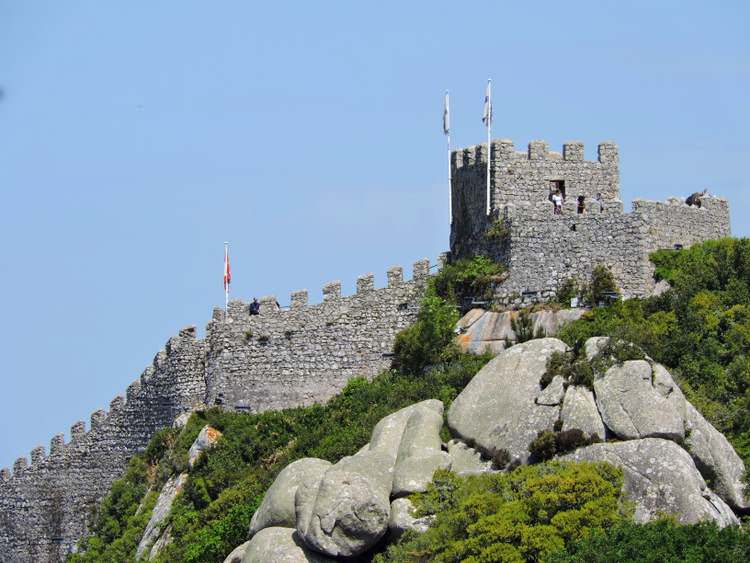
226,281
448,136
489,139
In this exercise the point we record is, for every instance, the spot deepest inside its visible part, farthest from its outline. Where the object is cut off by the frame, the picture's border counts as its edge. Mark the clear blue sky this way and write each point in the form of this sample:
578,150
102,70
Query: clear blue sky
136,137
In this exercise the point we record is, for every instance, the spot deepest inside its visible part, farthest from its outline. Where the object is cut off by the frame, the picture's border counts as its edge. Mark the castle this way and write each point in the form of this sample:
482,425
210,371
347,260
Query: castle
542,249
307,353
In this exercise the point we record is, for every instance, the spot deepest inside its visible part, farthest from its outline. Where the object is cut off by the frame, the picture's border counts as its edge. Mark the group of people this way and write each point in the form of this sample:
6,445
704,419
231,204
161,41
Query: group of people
558,200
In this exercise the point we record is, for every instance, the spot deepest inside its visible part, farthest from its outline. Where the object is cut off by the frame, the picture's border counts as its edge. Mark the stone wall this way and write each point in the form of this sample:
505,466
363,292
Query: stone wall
546,249
45,506
522,180
542,249
307,353
278,359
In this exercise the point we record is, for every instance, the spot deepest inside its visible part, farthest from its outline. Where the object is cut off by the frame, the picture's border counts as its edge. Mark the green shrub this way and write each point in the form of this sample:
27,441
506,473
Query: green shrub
569,289
602,283
662,541
467,278
429,341
523,515
548,444
523,327
699,329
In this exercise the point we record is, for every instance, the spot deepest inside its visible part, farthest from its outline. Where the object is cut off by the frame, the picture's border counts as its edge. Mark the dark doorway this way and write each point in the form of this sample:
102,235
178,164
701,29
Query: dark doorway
557,185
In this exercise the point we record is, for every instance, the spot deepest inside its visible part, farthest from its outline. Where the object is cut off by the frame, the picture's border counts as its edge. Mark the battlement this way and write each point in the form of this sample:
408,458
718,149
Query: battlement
331,292
505,150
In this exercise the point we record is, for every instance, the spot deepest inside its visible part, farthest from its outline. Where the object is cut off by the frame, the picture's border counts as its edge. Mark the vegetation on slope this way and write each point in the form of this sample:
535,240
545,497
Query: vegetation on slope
525,515
225,487
552,511
700,329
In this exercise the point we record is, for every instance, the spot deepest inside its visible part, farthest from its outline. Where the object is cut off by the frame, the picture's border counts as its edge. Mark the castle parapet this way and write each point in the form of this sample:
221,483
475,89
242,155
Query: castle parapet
332,290
77,431
395,276
421,270
5,474
268,305
20,465
365,283
538,150
299,299
573,151
116,405
38,455
97,419
57,445
608,153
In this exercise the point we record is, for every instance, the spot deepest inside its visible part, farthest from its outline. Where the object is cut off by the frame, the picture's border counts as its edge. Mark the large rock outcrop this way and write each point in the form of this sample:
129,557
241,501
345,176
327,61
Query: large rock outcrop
280,545
277,508
347,513
716,458
579,411
163,505
632,408
660,477
419,453
497,410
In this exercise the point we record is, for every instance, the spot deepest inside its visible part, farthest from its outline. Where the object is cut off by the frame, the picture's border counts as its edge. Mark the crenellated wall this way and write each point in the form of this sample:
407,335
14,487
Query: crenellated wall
521,181
280,358
542,249
307,353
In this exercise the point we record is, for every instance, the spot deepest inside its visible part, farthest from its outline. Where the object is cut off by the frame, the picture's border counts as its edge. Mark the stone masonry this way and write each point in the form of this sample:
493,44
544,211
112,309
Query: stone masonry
280,358
542,249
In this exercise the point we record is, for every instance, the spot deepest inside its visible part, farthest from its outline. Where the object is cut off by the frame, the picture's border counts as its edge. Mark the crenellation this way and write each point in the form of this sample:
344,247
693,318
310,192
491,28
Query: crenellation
608,153
20,465
331,290
299,299
268,305
538,150
147,374
132,391
38,455
116,405
5,474
442,260
395,276
57,445
189,331
97,419
542,249
573,151
77,431
365,283
421,270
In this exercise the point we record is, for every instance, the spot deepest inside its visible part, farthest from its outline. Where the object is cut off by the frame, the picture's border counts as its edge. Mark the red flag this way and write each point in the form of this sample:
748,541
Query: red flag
227,269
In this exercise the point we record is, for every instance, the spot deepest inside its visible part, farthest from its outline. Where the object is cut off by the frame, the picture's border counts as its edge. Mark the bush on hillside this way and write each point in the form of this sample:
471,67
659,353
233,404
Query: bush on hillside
523,515
699,329
467,278
662,541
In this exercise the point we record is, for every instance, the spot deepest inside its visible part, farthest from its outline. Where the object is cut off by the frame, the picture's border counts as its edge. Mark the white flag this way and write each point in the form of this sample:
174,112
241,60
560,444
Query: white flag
446,116
487,115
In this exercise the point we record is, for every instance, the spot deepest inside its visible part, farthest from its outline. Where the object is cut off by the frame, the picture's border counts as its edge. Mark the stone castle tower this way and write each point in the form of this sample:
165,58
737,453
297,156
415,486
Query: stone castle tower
543,249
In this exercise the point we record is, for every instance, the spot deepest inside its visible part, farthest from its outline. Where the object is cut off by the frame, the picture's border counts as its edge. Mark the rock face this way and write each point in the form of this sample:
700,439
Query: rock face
161,510
660,477
348,512
206,439
277,508
714,455
497,409
632,408
419,454
402,519
552,394
386,436
466,460
488,331
280,545
579,411
237,553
